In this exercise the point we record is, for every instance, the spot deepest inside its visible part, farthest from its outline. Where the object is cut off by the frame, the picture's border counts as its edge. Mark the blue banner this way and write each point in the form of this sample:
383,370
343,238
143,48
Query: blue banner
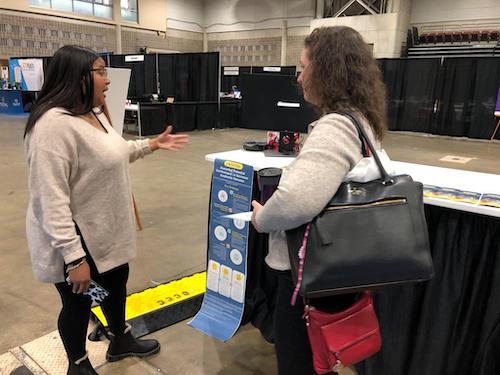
11,102
222,308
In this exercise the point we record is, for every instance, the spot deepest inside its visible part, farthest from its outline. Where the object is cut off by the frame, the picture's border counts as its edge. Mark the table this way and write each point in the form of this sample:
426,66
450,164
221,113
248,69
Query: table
135,108
449,325
230,113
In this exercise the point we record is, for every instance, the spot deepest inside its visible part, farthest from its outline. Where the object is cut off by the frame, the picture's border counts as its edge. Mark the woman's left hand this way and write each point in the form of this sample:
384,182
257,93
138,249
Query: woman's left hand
256,207
168,141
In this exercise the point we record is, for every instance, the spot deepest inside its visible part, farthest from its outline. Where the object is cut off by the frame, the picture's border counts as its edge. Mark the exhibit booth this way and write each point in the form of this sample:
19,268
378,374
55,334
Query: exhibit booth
453,96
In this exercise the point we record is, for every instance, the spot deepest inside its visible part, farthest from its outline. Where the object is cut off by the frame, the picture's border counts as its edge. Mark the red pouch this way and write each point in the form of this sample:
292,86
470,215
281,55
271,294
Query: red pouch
341,339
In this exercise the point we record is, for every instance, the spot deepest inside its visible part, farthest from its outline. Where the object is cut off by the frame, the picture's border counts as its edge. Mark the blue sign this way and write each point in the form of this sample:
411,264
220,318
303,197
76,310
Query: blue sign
11,102
222,308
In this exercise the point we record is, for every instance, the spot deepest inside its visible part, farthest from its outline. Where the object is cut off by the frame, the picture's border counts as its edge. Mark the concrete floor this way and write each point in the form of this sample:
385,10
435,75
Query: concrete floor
171,191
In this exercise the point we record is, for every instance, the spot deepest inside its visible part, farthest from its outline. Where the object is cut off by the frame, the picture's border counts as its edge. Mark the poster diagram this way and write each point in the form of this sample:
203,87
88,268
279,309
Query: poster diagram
223,304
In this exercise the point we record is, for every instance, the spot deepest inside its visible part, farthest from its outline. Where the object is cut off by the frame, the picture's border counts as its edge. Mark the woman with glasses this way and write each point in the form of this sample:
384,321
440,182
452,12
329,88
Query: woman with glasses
80,222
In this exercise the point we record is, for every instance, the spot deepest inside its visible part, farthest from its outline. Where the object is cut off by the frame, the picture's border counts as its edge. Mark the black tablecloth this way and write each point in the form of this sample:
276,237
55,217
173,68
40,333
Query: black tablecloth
449,325
230,113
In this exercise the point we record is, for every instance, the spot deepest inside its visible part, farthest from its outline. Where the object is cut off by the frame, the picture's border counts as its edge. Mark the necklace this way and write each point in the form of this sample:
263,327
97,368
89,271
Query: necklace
91,118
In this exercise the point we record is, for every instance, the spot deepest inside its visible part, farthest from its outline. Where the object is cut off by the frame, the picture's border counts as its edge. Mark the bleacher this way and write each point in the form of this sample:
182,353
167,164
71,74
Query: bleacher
468,43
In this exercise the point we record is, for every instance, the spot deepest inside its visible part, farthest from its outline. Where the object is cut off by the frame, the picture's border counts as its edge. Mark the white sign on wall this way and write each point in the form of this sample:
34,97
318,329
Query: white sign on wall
272,69
134,58
231,70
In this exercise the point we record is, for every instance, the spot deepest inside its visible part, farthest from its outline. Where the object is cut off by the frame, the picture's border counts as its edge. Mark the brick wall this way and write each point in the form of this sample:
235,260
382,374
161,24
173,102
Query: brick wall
245,48
294,47
25,36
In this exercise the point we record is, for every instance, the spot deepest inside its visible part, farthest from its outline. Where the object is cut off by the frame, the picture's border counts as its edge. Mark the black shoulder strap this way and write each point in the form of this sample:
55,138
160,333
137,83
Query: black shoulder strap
366,141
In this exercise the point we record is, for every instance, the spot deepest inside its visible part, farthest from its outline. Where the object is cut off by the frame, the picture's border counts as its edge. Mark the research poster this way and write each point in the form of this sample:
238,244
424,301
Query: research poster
224,301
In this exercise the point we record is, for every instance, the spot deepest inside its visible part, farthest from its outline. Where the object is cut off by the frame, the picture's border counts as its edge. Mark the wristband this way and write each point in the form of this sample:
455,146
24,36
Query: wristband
75,264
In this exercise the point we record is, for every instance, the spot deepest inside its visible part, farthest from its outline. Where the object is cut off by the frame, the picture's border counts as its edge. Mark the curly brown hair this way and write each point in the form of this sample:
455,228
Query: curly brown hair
345,76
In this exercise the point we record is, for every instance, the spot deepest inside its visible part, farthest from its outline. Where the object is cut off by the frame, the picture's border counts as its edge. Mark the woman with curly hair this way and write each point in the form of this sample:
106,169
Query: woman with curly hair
339,75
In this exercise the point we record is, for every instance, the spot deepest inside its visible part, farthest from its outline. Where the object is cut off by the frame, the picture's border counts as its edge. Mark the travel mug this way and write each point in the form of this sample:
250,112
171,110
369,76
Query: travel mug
268,179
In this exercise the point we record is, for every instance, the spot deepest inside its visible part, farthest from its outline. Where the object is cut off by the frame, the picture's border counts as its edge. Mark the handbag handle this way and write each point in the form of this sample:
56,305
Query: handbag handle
387,179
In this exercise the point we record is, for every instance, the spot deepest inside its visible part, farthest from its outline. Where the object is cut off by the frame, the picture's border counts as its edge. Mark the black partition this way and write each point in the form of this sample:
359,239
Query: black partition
189,76
412,86
230,113
153,118
142,76
457,85
451,96
260,109
182,116
469,93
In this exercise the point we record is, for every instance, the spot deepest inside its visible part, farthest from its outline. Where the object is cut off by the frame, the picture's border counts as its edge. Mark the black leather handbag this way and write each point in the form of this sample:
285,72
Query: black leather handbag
369,235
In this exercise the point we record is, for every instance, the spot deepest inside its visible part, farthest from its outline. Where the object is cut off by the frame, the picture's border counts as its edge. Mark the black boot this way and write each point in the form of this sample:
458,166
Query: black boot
81,367
126,345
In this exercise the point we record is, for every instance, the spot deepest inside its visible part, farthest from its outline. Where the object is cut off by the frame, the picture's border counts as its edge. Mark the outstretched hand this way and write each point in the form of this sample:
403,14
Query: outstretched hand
169,141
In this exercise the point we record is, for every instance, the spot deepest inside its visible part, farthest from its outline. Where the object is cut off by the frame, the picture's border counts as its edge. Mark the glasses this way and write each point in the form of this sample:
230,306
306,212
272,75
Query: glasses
103,72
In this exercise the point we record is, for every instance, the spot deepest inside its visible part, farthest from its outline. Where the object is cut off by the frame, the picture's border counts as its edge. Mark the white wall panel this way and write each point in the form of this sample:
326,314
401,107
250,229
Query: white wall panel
384,31
239,15
186,14
424,11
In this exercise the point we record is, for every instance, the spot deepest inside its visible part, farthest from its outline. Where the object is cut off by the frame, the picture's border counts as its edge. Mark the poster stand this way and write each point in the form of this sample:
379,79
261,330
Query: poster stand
497,115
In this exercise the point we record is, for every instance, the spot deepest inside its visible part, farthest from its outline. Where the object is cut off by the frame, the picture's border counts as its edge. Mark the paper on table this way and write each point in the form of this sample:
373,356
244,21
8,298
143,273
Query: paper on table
245,216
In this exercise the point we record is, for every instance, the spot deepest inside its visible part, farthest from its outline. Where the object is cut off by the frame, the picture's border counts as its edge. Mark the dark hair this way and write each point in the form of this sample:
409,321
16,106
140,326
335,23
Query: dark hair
68,84
345,76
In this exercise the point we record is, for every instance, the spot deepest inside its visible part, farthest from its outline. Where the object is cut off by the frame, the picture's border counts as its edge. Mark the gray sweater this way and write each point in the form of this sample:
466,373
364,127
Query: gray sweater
79,174
309,182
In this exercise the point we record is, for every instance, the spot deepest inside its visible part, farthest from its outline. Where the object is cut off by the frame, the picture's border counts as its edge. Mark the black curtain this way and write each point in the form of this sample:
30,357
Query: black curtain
451,324
484,96
142,75
393,72
464,89
456,97
189,76
412,86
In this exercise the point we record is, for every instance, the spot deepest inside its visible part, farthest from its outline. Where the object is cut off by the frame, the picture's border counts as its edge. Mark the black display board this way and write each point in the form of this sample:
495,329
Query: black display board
261,94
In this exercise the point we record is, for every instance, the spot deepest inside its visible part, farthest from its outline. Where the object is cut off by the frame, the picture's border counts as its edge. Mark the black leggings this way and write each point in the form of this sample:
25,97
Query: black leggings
75,313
